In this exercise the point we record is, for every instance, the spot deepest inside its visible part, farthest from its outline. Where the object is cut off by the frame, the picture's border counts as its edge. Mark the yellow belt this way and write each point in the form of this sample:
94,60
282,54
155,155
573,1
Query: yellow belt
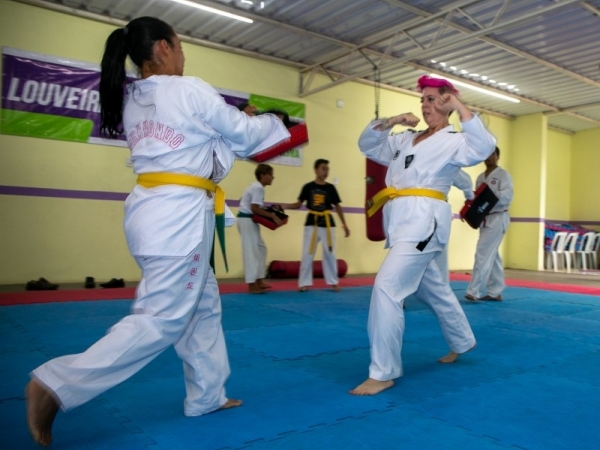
154,179
389,193
313,242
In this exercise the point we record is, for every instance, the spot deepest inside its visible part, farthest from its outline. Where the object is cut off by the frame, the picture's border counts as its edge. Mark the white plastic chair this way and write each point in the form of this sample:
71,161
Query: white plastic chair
570,249
557,247
594,251
585,249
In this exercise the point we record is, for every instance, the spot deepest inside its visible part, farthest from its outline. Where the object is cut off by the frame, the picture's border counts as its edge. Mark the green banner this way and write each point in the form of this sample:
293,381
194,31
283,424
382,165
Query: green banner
263,103
45,126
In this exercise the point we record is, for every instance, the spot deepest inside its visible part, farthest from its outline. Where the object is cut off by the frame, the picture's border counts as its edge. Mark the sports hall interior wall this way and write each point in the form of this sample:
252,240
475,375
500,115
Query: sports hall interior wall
66,240
585,190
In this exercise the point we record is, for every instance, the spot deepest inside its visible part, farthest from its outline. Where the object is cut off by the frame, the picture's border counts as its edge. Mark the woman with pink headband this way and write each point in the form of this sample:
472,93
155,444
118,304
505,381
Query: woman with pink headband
421,167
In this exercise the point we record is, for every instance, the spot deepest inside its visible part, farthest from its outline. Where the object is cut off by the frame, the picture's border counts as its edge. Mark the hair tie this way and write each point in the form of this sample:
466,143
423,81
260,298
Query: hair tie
125,30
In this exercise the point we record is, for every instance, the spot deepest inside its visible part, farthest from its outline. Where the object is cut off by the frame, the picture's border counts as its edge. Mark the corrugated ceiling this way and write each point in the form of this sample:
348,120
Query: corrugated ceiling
543,52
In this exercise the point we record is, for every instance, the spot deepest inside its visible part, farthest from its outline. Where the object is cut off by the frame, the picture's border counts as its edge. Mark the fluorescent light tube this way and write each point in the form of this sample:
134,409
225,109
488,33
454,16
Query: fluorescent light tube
478,89
214,11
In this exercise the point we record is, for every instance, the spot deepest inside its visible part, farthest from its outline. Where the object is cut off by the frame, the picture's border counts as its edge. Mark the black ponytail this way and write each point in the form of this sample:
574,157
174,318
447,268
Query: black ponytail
112,79
136,40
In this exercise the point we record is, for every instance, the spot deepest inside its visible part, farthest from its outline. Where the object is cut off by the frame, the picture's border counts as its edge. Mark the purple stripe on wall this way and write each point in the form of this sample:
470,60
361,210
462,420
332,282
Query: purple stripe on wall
61,193
514,219
118,196
353,210
527,219
102,195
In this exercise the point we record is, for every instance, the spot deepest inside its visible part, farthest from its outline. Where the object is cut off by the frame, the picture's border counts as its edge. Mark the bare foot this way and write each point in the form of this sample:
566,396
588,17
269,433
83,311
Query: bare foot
263,285
470,298
230,403
371,387
254,288
303,289
41,411
449,358
452,357
495,299
336,288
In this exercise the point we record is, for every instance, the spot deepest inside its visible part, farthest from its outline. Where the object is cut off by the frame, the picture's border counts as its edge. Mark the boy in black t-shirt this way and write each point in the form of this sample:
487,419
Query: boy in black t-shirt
321,198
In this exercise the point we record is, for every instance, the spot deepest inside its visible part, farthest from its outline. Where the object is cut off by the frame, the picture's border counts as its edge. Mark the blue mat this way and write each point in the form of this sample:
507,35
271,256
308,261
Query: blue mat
533,382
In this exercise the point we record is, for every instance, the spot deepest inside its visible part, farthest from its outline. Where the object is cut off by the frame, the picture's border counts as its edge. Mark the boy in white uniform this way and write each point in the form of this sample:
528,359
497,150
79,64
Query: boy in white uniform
254,251
487,281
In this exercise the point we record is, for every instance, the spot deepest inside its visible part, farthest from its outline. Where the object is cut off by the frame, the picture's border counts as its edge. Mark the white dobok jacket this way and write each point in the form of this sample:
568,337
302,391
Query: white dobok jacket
182,125
433,164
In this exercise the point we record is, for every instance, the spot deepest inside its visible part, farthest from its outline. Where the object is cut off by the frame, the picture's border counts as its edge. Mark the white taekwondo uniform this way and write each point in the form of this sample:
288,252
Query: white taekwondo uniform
462,181
254,251
176,125
488,271
417,229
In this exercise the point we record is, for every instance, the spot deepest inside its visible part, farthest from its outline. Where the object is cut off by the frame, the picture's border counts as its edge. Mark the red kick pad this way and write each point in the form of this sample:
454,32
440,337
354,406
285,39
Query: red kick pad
375,182
298,136
266,222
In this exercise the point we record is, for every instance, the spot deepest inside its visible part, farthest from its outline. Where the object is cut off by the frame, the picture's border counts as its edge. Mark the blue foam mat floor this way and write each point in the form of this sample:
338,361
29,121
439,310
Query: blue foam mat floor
533,382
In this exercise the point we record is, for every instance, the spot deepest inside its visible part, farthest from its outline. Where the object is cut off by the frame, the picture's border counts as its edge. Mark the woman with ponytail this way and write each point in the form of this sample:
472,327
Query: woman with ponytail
183,139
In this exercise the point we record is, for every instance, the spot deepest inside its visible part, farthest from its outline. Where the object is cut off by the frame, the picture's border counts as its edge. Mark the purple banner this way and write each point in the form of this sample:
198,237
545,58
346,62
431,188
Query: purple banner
57,98
46,88
54,88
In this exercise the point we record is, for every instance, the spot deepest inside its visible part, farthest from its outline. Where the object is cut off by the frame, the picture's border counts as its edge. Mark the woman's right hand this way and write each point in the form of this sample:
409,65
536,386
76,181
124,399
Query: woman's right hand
406,119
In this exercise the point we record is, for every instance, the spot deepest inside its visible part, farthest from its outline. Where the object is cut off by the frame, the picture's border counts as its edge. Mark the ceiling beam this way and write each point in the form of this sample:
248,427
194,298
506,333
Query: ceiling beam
452,43
121,23
590,8
378,37
390,32
275,23
496,43
204,43
301,66
573,108
398,3
510,48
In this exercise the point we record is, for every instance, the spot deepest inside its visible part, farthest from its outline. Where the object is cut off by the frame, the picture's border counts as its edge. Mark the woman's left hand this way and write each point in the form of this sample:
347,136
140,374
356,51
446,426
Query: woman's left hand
446,103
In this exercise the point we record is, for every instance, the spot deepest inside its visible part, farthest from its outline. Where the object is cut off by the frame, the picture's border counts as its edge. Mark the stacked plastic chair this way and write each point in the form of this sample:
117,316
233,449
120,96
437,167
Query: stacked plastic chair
569,251
557,249
584,252
594,251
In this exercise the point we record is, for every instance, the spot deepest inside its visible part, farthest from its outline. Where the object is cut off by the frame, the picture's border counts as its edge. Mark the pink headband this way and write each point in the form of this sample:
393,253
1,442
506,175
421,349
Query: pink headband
427,81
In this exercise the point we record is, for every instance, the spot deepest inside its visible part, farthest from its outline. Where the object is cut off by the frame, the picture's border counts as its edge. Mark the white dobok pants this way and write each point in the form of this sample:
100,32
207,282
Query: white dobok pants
442,262
177,304
330,271
488,270
407,271
254,251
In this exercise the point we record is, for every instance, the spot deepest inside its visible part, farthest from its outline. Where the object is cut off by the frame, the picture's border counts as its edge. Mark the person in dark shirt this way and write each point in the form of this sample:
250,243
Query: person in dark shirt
321,198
